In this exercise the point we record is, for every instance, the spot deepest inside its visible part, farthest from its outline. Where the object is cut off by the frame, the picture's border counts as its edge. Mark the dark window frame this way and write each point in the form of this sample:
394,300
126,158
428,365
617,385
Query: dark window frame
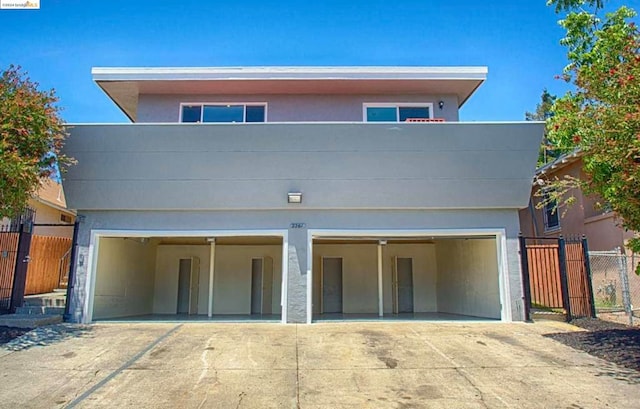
202,105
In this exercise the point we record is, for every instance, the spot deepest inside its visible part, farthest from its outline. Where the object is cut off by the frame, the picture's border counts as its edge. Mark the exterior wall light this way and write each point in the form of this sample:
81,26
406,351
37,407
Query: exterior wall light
294,197
441,104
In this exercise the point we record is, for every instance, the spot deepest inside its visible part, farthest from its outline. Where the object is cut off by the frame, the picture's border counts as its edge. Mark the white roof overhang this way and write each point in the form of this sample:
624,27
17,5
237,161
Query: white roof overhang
124,85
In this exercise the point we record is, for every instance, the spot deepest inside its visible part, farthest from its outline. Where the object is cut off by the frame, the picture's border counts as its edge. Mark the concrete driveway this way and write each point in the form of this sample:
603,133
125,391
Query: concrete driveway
356,365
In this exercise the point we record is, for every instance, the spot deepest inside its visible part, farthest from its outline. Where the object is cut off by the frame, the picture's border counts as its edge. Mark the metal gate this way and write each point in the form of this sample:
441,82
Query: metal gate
556,276
15,242
15,248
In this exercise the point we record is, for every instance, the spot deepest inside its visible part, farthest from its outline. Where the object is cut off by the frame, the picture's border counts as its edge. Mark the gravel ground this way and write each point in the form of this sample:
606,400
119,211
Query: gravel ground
610,341
9,333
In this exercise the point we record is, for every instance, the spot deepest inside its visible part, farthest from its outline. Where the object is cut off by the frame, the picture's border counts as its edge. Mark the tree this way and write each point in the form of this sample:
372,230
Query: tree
543,113
601,116
31,136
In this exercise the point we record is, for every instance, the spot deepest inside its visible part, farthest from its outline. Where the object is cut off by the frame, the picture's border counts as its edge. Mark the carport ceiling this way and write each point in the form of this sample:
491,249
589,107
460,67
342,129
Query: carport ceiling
369,240
393,240
224,241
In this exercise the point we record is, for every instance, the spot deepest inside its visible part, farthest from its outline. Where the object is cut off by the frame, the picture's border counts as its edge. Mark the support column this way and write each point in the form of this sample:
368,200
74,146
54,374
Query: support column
380,284
212,264
82,294
297,274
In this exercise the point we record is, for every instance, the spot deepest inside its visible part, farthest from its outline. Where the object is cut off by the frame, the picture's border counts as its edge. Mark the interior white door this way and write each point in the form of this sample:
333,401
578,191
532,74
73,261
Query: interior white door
331,285
261,285
184,285
404,272
256,285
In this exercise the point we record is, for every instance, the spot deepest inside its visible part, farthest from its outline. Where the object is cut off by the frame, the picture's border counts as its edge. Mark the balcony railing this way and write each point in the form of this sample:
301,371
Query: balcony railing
424,120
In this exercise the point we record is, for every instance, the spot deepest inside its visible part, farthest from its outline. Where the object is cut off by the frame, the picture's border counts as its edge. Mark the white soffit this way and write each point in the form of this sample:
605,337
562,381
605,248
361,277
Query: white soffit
123,85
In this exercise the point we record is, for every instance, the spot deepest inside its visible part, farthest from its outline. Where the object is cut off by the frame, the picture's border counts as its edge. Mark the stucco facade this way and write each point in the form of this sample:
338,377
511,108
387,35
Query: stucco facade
155,108
586,216
50,208
444,197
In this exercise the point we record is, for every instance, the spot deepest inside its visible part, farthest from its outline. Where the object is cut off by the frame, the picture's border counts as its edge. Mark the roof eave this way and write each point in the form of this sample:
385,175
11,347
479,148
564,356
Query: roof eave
130,79
286,73
562,161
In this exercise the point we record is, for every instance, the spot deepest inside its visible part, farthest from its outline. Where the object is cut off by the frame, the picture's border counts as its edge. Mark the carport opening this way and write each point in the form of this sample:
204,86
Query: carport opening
422,278
169,278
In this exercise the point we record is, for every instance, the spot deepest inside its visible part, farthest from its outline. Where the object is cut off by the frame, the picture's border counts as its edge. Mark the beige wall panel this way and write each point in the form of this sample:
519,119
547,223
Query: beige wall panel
359,276
166,278
468,277
232,280
425,271
124,278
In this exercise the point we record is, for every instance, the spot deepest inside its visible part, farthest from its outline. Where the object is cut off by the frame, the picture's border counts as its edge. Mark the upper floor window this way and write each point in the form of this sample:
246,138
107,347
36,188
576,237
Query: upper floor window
551,217
403,112
228,113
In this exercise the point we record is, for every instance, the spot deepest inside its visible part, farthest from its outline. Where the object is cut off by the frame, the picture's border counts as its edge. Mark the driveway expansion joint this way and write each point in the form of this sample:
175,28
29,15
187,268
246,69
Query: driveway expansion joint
124,366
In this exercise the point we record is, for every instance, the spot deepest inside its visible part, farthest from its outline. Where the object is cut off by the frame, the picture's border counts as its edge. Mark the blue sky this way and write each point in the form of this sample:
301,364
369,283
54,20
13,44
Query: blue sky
517,39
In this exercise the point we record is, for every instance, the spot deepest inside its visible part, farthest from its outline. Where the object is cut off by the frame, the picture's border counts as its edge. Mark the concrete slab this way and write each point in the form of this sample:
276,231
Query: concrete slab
364,365
194,388
29,320
225,347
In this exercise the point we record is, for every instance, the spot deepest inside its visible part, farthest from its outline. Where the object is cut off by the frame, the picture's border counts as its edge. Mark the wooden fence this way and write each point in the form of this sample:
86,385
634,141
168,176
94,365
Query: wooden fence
8,253
544,275
579,284
556,275
49,261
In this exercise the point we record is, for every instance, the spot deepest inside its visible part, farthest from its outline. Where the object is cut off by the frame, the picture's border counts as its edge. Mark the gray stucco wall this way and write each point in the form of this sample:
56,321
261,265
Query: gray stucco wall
292,108
352,176
313,219
254,166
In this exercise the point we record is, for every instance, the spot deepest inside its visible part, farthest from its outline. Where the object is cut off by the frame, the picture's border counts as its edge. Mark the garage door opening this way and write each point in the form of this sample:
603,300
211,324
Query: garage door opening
406,278
230,278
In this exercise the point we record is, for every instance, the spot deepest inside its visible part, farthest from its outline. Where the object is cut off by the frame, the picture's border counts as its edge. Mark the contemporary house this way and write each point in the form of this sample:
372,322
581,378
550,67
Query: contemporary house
298,194
587,216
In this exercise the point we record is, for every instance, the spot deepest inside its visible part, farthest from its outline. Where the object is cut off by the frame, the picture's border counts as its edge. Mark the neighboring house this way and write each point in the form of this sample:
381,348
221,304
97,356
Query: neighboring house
587,216
50,207
298,193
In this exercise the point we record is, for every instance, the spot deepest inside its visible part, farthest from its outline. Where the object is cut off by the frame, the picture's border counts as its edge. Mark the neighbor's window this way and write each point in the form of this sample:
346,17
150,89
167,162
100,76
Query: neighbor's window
397,112
225,113
551,217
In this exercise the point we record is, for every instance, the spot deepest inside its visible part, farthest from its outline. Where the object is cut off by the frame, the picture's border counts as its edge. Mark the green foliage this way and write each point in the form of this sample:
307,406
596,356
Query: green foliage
601,117
543,109
31,135
542,113
564,5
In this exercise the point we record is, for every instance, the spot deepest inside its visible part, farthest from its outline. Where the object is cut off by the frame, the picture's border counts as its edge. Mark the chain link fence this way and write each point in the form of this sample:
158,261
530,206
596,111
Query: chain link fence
616,287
